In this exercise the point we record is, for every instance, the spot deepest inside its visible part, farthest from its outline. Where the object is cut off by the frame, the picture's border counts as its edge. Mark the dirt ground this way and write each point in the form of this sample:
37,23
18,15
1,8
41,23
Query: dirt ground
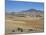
27,24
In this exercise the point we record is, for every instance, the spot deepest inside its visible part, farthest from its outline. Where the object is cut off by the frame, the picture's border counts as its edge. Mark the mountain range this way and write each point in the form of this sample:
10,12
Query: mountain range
29,12
32,10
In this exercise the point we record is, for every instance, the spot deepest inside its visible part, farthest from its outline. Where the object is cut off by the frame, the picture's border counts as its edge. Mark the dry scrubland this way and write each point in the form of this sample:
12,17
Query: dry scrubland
26,24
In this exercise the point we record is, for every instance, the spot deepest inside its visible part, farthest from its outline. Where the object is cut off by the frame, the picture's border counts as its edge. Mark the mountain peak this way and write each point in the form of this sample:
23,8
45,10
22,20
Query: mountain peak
32,10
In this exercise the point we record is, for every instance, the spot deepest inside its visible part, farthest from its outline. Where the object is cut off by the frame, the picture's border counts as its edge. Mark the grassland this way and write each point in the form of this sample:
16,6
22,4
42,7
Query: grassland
27,24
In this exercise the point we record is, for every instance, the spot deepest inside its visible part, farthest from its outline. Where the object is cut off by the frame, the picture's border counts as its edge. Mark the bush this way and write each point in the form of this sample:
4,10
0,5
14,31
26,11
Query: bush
13,30
20,29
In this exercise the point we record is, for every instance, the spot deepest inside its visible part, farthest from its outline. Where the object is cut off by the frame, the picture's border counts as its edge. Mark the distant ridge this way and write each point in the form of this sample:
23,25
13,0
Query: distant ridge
32,10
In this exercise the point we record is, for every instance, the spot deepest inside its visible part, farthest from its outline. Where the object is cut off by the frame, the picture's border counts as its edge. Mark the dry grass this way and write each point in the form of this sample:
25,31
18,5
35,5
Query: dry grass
12,23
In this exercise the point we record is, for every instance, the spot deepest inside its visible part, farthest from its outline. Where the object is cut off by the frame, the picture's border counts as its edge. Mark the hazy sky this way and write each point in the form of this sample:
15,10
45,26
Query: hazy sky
19,6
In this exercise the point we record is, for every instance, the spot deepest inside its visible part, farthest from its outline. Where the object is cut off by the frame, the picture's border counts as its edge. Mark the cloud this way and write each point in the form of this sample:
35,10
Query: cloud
29,0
